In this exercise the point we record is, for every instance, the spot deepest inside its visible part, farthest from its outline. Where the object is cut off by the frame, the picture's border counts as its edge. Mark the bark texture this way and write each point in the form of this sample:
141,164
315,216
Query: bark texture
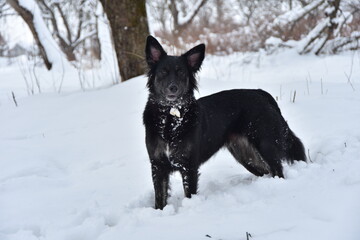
128,22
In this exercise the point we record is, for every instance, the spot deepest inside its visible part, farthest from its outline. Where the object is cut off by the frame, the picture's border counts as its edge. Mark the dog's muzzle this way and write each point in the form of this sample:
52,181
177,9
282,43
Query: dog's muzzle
172,92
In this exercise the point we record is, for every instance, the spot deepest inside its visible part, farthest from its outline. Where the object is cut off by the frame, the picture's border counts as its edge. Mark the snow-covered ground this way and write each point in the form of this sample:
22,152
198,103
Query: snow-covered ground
73,165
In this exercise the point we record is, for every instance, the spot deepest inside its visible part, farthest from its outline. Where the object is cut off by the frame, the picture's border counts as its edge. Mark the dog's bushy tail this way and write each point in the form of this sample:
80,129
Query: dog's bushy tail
296,150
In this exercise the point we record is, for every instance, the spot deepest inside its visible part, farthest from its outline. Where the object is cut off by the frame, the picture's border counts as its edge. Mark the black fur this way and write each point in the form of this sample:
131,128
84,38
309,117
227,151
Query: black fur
248,122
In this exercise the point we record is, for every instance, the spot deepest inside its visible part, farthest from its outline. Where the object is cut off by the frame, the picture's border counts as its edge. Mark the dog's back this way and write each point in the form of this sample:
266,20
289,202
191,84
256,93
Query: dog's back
250,124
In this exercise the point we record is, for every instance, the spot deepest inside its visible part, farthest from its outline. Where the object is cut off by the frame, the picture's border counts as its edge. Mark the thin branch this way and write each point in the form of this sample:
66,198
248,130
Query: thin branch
349,80
52,15
82,39
188,19
65,44
78,34
309,157
67,27
3,9
54,23
321,45
345,19
134,54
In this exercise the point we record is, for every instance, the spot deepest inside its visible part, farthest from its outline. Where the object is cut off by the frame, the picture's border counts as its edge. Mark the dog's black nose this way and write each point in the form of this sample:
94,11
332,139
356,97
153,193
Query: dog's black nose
173,89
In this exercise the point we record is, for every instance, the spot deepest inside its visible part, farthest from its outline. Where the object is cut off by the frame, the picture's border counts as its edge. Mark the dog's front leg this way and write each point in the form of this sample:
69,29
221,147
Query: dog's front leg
160,176
190,178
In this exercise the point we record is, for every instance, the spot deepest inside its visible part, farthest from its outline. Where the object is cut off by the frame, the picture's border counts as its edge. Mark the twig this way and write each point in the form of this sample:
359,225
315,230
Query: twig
293,100
14,99
309,77
309,156
307,86
349,81
348,76
134,54
322,90
29,85
36,78
62,76
248,236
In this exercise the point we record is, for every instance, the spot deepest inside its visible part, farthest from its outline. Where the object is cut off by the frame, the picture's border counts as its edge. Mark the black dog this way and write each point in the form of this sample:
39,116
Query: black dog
182,132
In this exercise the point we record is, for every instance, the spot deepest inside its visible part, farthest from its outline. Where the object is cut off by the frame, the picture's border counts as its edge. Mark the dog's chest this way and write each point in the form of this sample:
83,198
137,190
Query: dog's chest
172,129
170,148
171,126
173,154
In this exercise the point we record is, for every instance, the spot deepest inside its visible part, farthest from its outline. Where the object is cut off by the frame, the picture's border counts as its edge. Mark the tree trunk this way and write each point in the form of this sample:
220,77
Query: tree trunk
29,19
129,28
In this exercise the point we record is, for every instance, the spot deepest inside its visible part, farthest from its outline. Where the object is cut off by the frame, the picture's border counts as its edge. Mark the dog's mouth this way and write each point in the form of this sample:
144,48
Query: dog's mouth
171,97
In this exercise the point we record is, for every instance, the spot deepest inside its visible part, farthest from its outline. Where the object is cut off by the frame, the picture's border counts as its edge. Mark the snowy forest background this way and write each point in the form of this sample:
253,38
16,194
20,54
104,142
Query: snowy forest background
78,32
73,162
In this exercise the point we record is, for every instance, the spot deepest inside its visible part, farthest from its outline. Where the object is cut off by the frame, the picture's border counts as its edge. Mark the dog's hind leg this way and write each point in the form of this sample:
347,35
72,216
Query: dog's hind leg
160,176
272,154
246,154
295,148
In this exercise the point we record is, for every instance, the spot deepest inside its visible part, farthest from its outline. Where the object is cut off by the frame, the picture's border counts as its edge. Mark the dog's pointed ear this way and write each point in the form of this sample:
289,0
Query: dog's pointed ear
195,57
154,51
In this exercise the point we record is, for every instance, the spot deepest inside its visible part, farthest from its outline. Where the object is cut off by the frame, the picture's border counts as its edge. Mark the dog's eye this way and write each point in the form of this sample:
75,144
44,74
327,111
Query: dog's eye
162,73
181,72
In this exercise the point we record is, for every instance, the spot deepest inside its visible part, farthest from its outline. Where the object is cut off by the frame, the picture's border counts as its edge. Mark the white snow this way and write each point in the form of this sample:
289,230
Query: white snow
73,166
297,13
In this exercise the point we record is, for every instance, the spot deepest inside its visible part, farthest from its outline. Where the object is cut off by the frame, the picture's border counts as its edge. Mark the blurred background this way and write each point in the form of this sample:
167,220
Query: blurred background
90,34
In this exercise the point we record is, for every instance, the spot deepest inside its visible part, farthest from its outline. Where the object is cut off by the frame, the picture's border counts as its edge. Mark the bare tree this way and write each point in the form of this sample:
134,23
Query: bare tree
324,31
70,23
29,19
75,33
247,9
258,15
181,23
177,19
331,13
182,17
128,22
328,34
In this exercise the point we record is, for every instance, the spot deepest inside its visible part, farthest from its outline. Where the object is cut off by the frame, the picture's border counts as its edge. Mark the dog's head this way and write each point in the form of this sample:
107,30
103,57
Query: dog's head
172,78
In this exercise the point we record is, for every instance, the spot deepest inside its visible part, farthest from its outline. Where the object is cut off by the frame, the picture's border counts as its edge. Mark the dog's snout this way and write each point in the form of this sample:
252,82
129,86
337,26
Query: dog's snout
172,92
173,88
